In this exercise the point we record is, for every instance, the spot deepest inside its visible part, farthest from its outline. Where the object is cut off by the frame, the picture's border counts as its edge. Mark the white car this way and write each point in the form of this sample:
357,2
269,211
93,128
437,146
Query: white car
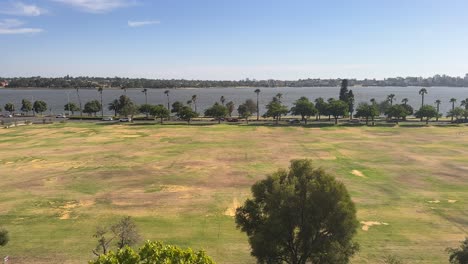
60,116
125,119
107,118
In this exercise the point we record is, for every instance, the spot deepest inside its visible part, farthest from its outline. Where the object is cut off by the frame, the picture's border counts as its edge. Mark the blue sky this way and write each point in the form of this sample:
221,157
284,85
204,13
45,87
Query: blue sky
217,39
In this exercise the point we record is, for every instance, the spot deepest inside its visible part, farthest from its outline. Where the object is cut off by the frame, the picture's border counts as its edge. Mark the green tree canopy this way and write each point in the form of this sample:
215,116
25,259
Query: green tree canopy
251,106
337,108
92,107
126,107
427,111
159,111
396,111
244,111
4,237
10,107
176,106
145,109
304,108
26,105
217,111
186,113
72,107
322,106
457,113
154,253
299,216
275,109
40,106
459,255
230,107
367,111
114,106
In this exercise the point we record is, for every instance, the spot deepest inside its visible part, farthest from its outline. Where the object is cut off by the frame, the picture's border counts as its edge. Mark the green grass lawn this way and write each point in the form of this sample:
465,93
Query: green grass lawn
181,184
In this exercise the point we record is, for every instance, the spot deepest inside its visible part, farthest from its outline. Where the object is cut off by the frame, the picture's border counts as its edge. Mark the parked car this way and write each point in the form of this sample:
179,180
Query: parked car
107,118
232,120
125,119
294,121
60,116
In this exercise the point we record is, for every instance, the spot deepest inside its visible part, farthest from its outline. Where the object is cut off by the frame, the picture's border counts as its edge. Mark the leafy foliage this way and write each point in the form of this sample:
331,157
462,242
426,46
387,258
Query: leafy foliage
217,111
186,113
427,111
275,109
159,111
337,108
40,106
459,255
367,111
154,253
299,216
304,108
4,237
26,105
92,107
396,111
72,107
9,107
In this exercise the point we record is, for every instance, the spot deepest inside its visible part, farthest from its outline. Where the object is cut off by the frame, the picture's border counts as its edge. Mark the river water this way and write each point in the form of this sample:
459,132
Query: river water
57,98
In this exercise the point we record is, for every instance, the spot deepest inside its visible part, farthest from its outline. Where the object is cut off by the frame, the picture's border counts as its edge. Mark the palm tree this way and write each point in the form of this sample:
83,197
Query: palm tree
257,91
222,99
145,91
438,102
464,103
453,100
405,101
194,100
391,98
168,103
114,106
77,88
100,93
422,92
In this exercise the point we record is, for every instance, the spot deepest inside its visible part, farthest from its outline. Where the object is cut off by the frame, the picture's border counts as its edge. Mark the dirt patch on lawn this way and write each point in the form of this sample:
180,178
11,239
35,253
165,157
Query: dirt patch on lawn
452,201
367,224
434,201
66,209
231,210
358,173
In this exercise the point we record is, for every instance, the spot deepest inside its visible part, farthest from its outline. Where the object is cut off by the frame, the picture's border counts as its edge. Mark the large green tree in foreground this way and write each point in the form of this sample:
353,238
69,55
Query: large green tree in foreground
459,255
4,237
299,216
154,253
428,112
217,111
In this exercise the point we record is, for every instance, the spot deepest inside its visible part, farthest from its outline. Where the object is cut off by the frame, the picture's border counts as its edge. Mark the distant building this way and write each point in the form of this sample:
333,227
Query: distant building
3,83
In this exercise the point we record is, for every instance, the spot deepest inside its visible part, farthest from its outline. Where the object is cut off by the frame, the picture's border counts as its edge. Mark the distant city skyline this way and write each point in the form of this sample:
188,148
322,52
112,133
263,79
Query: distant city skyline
233,40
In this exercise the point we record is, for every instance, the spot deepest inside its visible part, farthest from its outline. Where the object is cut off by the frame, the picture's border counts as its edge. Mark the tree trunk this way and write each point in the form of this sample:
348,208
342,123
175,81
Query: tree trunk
367,120
258,109
161,120
427,121
219,120
336,120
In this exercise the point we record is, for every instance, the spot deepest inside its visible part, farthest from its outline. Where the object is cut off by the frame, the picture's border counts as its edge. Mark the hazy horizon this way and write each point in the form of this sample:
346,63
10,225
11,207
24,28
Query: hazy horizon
226,40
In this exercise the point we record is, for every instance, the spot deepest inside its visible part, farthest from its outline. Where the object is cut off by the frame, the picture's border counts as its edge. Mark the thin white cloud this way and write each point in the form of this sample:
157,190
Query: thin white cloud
14,26
142,23
22,9
97,6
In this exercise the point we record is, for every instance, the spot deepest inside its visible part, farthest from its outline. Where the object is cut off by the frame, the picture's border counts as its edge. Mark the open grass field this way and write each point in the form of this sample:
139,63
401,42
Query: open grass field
182,183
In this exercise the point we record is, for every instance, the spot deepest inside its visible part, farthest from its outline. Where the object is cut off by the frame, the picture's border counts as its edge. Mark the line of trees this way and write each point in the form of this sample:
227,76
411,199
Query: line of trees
124,83
342,107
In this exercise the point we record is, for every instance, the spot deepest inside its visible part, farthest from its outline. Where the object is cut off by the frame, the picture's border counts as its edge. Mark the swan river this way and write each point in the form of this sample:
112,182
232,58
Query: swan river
57,98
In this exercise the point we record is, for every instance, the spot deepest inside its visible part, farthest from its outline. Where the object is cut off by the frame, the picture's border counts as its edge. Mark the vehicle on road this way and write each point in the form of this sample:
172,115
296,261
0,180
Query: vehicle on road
60,116
107,118
125,119
294,121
